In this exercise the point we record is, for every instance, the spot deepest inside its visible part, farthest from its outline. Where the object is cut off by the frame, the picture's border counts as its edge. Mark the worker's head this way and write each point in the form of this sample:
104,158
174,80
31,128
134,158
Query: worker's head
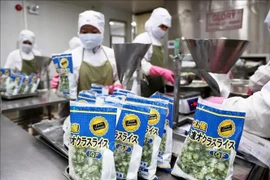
74,43
27,40
267,21
91,29
158,23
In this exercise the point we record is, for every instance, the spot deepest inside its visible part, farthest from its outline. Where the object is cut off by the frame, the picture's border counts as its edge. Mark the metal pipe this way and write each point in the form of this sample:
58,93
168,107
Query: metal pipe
177,69
25,15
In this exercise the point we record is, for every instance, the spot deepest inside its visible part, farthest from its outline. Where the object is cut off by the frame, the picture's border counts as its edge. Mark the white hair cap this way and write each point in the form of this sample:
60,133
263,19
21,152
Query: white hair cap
158,17
92,18
26,35
267,19
74,42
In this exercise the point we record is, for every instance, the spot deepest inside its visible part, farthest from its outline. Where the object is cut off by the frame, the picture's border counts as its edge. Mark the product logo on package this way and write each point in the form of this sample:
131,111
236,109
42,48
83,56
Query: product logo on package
226,128
99,126
64,63
131,122
154,117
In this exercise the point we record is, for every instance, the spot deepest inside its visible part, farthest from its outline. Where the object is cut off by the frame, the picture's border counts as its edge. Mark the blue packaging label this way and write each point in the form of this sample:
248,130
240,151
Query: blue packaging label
130,131
157,116
212,143
169,118
87,97
93,127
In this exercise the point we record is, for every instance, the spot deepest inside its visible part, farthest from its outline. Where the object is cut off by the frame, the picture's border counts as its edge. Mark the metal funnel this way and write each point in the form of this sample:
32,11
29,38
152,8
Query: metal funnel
216,55
128,57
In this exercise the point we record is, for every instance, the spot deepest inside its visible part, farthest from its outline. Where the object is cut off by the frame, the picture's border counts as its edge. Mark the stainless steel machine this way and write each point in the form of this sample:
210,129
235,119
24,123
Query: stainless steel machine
128,58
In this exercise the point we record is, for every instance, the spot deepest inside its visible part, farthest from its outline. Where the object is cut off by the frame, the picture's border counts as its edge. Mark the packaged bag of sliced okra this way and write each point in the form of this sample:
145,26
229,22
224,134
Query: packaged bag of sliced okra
5,77
210,148
14,85
33,83
86,96
67,83
99,89
129,140
92,142
165,149
153,135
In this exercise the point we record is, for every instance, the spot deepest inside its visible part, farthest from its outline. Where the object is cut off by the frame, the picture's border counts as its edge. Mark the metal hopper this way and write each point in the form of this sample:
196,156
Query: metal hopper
215,56
128,58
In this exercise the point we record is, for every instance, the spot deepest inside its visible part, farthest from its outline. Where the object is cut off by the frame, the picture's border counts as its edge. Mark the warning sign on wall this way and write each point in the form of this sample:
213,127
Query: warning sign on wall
225,20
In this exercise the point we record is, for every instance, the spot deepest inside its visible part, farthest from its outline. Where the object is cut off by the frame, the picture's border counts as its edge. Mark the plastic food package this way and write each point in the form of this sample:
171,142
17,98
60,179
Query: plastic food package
210,148
14,85
165,150
129,140
67,82
99,89
25,84
33,83
92,142
153,135
87,97
4,77
122,92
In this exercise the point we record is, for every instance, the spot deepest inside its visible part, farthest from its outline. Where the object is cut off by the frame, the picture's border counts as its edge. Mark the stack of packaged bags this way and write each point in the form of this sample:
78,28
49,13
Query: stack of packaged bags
18,83
123,136
119,136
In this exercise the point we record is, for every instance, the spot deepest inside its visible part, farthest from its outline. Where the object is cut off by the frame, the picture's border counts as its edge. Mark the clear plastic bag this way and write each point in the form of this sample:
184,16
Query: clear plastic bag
210,148
92,142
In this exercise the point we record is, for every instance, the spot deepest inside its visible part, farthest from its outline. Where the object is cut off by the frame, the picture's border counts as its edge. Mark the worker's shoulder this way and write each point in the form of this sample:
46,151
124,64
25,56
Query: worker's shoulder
14,53
266,93
109,51
142,38
36,52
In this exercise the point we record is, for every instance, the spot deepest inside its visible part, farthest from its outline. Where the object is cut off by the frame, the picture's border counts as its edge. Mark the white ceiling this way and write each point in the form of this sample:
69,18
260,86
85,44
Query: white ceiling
126,5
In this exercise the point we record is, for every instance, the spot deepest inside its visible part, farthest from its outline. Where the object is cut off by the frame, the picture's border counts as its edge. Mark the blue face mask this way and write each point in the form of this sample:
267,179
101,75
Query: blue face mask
90,41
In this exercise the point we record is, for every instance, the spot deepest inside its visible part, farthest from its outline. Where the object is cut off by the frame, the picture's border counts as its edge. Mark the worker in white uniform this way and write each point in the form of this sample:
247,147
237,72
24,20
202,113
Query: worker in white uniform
94,63
73,44
23,59
257,106
153,65
262,75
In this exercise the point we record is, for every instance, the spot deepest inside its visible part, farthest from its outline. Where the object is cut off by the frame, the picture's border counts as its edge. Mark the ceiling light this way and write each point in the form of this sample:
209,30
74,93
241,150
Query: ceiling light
111,23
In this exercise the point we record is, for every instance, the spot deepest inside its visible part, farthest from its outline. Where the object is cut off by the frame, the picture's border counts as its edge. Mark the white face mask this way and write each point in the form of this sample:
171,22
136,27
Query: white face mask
158,33
91,41
27,48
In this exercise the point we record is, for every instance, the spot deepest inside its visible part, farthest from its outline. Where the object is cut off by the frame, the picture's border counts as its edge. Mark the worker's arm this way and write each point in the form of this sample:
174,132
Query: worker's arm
257,108
10,62
260,78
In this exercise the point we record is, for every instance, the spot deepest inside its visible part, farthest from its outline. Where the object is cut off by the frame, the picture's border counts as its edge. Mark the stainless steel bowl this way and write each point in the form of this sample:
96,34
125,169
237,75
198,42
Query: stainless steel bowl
239,87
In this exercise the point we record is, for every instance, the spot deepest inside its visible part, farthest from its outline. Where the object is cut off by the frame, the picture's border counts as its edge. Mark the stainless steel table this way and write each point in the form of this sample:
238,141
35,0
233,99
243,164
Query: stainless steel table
43,99
23,157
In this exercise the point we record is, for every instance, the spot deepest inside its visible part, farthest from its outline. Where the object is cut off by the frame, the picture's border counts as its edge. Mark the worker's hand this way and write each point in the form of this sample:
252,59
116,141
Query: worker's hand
168,75
55,81
249,92
217,100
118,86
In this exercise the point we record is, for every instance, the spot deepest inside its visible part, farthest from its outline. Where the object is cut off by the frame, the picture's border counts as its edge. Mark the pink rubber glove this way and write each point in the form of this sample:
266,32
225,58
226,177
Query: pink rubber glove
111,88
249,92
158,71
55,81
217,100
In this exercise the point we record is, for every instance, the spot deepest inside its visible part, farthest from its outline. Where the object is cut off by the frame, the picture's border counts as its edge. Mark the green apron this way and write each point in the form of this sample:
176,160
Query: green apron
154,83
88,74
29,66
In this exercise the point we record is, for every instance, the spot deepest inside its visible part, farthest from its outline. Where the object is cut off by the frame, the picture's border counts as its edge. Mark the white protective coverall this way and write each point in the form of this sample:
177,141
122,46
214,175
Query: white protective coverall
160,16
25,52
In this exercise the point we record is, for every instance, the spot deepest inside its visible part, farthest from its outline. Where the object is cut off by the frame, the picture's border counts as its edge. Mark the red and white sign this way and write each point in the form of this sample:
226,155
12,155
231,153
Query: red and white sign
225,20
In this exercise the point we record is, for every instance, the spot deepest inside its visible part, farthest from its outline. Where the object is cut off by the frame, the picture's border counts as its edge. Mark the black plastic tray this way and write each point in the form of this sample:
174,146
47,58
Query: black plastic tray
19,96
52,131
